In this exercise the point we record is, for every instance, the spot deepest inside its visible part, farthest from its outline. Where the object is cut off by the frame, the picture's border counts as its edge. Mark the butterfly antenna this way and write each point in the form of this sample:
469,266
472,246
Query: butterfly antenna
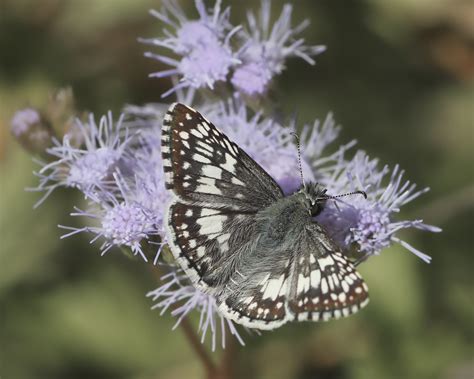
348,194
297,139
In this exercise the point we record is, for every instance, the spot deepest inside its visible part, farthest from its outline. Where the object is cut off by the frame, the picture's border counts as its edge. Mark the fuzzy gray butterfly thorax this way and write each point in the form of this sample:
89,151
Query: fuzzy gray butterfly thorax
283,221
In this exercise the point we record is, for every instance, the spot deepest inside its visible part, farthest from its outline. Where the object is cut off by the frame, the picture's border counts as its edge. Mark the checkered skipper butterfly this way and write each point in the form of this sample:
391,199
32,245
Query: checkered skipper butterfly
238,238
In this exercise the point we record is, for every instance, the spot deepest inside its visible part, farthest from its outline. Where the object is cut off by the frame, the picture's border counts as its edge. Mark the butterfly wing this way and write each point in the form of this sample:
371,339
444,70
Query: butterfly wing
217,187
258,299
313,281
202,238
326,284
203,166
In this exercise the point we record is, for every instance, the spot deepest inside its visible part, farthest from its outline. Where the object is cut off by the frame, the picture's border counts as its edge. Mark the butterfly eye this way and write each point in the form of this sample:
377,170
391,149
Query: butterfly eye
316,209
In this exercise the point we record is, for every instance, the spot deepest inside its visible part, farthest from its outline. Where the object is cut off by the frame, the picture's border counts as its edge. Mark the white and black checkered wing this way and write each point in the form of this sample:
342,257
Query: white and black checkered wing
313,281
259,297
325,284
217,187
203,166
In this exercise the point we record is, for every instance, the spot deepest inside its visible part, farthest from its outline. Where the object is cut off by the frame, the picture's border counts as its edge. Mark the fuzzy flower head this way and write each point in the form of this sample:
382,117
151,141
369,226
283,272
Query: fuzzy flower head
149,181
267,47
318,151
370,223
91,166
126,224
202,46
23,120
252,78
131,217
129,212
31,130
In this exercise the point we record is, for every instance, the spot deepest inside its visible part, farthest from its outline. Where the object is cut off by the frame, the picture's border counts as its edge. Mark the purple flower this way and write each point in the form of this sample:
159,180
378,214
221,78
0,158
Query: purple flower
129,210
126,224
23,120
182,297
202,46
252,78
316,140
369,223
131,216
89,167
32,131
266,48
207,65
204,55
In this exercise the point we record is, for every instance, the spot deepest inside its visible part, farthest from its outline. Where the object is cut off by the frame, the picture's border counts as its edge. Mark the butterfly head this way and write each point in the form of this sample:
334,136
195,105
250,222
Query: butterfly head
314,197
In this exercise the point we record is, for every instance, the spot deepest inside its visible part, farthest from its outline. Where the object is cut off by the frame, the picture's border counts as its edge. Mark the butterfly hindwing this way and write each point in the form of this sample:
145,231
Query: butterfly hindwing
326,284
260,301
313,282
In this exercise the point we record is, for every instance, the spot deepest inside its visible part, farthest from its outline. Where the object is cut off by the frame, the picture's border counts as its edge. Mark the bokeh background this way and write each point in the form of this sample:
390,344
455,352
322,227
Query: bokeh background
399,78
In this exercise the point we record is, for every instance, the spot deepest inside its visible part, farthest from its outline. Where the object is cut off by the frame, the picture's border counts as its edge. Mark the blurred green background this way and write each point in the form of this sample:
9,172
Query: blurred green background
399,78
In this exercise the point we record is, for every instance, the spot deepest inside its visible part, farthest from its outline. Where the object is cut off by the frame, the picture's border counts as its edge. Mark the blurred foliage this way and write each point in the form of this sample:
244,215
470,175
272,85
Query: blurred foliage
397,75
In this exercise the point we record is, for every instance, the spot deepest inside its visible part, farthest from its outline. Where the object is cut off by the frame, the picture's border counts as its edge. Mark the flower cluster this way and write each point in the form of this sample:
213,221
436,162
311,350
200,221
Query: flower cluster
211,50
265,49
117,165
369,223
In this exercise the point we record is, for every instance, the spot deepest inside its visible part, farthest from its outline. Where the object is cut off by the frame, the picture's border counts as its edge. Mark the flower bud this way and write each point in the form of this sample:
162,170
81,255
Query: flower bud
62,113
32,130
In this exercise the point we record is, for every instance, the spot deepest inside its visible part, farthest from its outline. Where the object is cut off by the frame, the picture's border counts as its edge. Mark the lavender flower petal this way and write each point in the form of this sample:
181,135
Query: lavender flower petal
266,48
177,294
369,223
202,46
90,167
23,120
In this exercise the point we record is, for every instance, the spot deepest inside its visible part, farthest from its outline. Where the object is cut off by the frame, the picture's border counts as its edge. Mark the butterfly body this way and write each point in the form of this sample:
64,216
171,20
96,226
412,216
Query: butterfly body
287,217
260,254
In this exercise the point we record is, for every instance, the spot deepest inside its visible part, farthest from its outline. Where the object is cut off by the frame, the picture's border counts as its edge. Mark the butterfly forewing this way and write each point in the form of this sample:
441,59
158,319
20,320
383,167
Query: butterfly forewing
203,166
218,189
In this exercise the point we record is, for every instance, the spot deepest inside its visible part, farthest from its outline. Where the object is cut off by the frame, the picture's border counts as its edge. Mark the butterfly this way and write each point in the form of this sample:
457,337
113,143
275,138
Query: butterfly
260,254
